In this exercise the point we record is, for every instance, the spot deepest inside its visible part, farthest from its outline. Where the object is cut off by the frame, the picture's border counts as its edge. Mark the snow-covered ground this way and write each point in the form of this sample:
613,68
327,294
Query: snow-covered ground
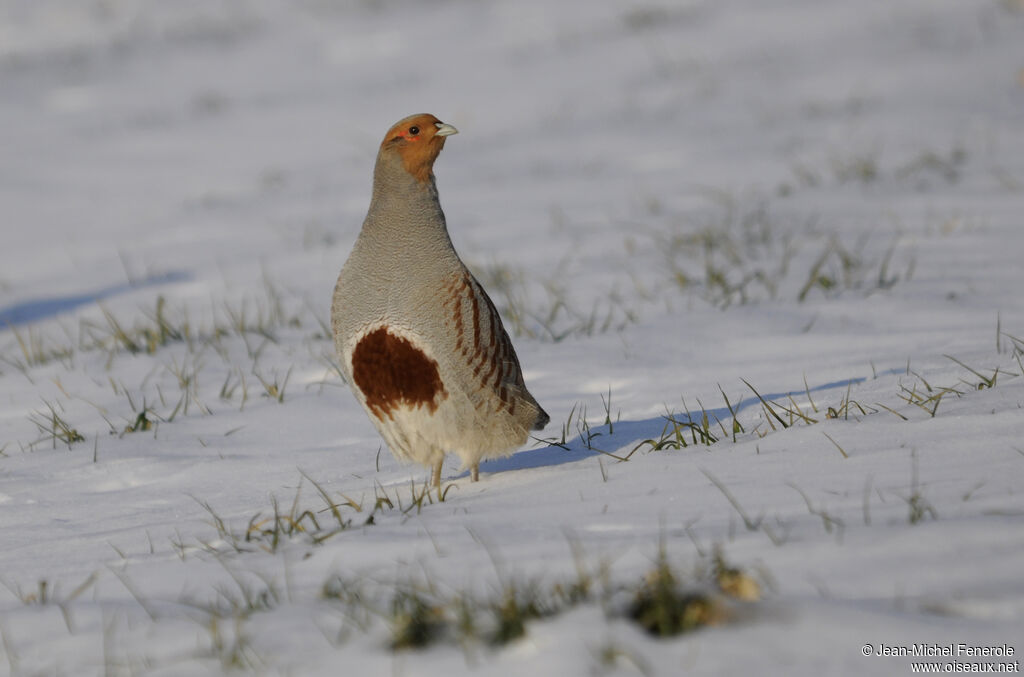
679,207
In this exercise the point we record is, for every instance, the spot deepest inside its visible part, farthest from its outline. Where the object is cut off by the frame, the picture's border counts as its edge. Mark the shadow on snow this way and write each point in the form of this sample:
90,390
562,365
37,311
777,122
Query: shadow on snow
629,433
40,309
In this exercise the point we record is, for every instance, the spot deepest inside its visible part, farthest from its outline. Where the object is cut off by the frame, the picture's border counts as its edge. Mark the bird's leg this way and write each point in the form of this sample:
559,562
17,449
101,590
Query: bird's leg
435,476
474,472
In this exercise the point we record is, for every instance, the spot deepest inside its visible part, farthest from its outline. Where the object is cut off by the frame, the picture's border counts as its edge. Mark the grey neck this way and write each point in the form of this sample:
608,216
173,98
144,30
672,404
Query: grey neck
404,212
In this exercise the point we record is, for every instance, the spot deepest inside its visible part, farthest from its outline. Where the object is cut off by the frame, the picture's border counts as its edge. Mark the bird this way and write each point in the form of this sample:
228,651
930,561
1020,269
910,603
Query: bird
419,341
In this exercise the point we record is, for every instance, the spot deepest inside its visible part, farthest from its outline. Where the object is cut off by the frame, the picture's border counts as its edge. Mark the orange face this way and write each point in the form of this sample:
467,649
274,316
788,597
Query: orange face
418,139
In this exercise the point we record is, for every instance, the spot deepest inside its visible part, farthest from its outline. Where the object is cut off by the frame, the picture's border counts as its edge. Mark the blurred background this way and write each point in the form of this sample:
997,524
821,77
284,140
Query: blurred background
216,140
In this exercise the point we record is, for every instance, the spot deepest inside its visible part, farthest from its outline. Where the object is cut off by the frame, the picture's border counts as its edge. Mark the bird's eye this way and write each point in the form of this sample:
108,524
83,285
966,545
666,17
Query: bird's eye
414,130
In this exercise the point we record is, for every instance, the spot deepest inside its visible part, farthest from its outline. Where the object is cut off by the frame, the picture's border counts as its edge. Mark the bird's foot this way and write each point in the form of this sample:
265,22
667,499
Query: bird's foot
474,472
435,477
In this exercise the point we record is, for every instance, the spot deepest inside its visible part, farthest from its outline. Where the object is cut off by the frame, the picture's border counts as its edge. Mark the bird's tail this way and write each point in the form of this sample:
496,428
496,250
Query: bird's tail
541,420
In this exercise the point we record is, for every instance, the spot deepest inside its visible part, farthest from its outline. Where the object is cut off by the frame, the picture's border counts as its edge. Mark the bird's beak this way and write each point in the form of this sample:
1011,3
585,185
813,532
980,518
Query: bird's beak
444,129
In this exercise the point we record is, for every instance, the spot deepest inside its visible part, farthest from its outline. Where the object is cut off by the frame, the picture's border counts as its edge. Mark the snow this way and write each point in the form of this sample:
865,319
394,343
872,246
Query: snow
218,156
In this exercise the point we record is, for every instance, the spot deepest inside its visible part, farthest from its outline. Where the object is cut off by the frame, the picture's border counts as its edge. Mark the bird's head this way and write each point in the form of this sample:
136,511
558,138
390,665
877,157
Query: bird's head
417,140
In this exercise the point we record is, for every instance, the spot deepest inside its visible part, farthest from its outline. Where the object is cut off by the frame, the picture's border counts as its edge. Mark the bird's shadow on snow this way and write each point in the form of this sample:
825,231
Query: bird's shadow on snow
606,439
34,310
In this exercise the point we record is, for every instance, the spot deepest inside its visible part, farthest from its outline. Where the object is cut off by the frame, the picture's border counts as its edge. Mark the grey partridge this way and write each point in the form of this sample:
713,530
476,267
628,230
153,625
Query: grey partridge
418,339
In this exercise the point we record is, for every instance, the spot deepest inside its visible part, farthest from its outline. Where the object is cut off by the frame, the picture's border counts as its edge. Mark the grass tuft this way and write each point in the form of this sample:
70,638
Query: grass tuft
416,622
513,609
664,608
53,427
